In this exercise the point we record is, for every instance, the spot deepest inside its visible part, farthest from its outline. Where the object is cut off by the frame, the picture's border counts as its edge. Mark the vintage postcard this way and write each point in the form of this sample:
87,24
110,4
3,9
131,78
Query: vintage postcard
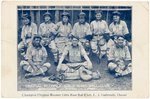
75,49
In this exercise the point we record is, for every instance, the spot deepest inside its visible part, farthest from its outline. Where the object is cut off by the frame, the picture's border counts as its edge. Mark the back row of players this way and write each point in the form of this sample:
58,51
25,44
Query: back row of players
96,36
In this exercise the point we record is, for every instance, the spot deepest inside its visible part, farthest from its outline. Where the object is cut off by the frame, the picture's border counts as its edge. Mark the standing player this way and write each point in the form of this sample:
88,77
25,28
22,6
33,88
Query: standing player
64,29
82,30
99,29
28,30
119,28
47,30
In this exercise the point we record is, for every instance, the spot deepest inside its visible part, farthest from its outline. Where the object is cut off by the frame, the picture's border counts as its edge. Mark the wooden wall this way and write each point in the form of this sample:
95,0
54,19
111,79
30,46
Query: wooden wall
37,12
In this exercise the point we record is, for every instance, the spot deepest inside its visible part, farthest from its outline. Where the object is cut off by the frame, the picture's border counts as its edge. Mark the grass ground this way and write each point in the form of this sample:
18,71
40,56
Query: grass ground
106,83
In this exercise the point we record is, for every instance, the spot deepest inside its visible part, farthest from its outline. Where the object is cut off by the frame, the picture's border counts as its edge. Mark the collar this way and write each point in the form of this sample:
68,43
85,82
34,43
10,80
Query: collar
75,47
117,22
65,23
99,20
82,23
119,47
28,24
37,48
48,22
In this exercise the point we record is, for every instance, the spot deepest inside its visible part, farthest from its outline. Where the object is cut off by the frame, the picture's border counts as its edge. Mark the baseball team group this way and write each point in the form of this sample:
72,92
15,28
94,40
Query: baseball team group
72,44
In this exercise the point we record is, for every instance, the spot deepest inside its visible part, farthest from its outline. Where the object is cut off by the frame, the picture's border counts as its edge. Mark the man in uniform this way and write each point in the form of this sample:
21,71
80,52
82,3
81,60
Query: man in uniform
64,29
119,27
28,30
36,56
82,30
47,30
99,29
119,58
76,67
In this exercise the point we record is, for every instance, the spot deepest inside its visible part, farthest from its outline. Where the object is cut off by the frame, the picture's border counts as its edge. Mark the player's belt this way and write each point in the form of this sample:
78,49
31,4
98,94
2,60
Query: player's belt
28,37
62,37
38,62
82,40
97,34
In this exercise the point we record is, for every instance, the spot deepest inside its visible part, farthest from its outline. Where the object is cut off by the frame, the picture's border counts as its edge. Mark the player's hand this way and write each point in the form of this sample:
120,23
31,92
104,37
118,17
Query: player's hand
117,60
35,68
25,43
58,34
29,34
58,68
129,44
89,65
69,35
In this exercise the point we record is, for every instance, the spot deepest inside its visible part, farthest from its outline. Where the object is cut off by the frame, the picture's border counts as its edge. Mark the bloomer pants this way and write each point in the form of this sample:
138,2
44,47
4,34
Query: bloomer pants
76,72
52,46
117,69
99,46
27,67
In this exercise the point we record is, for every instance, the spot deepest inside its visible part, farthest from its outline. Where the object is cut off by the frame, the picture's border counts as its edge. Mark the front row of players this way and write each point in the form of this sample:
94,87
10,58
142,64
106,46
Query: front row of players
72,45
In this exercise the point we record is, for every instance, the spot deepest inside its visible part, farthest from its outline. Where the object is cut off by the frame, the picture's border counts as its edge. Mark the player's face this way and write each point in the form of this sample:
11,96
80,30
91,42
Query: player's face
65,19
37,41
75,42
120,41
47,18
26,21
98,16
116,18
82,20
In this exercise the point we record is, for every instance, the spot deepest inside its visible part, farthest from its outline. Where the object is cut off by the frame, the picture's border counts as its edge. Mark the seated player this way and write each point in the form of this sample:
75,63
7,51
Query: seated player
35,63
76,67
119,58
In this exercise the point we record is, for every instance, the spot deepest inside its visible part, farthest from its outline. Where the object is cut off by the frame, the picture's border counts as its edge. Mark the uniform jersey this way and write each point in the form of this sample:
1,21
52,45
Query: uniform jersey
74,53
81,30
119,28
28,31
119,53
99,27
36,55
47,28
64,29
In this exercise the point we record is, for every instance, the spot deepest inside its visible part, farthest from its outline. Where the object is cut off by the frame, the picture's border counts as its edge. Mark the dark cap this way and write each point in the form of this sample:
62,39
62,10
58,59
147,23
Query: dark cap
81,15
118,36
47,14
65,14
116,13
36,36
98,11
24,16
